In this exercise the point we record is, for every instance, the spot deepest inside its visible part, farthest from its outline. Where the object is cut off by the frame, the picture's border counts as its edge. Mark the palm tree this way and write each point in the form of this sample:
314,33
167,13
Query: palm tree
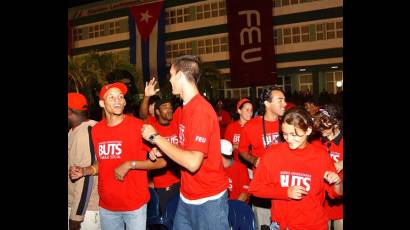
89,73
210,80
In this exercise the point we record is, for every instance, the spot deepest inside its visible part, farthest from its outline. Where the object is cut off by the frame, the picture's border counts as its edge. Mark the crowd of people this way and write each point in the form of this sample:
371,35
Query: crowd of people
285,160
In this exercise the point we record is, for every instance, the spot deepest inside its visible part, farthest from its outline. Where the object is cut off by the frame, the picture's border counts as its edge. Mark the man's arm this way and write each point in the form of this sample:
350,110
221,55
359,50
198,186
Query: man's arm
249,158
123,169
190,160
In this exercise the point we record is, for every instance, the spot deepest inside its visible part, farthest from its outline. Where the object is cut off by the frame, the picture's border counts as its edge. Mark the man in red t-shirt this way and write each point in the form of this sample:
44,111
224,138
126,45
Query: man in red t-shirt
119,148
224,117
203,200
236,172
257,135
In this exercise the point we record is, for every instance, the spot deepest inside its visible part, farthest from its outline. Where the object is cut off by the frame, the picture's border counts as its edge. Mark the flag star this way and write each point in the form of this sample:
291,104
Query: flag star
145,16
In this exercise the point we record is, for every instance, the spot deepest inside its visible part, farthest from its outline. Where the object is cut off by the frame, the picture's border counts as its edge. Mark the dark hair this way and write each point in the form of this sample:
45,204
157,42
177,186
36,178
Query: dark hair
153,99
266,95
311,100
298,117
160,102
329,116
189,65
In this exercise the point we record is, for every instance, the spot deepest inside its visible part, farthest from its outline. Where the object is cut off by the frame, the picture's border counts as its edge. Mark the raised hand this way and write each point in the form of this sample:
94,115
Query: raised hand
150,88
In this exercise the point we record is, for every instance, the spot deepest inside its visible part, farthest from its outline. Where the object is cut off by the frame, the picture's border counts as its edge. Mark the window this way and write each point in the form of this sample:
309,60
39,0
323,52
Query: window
280,81
305,82
331,81
91,32
222,8
177,49
285,2
296,34
339,29
320,31
305,33
330,30
288,83
199,12
287,39
77,34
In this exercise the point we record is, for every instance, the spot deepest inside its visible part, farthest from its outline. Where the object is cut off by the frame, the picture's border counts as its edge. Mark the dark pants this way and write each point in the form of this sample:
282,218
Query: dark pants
164,194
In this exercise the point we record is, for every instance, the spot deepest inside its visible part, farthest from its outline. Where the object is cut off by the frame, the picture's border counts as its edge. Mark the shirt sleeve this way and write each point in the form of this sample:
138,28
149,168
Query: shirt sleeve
329,166
200,130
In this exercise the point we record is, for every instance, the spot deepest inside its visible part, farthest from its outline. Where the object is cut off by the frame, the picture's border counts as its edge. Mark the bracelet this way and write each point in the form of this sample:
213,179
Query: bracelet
94,170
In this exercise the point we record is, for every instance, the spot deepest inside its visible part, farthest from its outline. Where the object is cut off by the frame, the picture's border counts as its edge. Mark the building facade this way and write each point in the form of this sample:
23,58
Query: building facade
308,38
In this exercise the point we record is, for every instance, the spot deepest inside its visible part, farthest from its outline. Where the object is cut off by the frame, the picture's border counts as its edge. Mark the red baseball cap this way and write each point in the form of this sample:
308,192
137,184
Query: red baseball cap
77,101
241,102
118,85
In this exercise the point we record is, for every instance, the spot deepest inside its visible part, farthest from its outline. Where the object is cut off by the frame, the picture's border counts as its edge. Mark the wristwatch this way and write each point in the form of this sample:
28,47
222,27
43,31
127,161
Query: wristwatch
133,164
152,137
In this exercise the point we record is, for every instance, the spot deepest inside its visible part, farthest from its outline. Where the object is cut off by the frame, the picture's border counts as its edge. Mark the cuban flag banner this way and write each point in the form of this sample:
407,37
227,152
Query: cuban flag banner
147,48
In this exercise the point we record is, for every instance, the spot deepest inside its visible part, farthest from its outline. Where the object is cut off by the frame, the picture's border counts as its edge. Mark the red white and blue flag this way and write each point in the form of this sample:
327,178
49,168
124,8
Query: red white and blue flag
147,48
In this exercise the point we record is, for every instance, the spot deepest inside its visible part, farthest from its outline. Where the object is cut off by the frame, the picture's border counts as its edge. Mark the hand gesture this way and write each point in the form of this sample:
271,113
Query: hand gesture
296,192
150,88
339,166
154,153
121,171
332,177
76,172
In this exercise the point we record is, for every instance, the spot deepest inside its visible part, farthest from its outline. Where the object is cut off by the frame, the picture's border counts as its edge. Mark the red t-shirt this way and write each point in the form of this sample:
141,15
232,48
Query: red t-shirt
150,119
238,179
199,131
233,134
334,207
113,146
170,175
281,168
224,119
252,135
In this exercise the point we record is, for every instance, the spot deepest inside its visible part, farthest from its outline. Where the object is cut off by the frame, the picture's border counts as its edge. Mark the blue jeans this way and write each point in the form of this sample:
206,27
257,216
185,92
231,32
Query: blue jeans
115,220
275,226
212,214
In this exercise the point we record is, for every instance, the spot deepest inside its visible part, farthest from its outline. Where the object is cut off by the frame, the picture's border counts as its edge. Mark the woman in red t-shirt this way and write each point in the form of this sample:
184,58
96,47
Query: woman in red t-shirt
296,175
244,108
328,122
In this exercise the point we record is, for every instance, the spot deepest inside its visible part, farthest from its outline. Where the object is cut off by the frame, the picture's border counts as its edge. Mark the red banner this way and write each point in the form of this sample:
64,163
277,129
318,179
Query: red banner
146,16
251,48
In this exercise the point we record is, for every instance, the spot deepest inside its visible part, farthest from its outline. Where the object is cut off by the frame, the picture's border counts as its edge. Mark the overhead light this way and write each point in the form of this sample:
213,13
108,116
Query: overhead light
301,70
339,84
205,94
334,67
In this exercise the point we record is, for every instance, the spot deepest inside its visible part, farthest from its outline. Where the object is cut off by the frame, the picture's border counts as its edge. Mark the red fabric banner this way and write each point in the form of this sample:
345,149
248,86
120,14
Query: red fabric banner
251,48
146,16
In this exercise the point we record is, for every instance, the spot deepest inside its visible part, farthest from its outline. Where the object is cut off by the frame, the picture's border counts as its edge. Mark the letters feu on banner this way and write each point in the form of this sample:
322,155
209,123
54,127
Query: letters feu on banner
251,47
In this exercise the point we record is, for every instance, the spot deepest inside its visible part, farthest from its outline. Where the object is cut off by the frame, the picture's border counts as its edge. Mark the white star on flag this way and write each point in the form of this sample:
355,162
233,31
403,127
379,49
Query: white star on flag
145,16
